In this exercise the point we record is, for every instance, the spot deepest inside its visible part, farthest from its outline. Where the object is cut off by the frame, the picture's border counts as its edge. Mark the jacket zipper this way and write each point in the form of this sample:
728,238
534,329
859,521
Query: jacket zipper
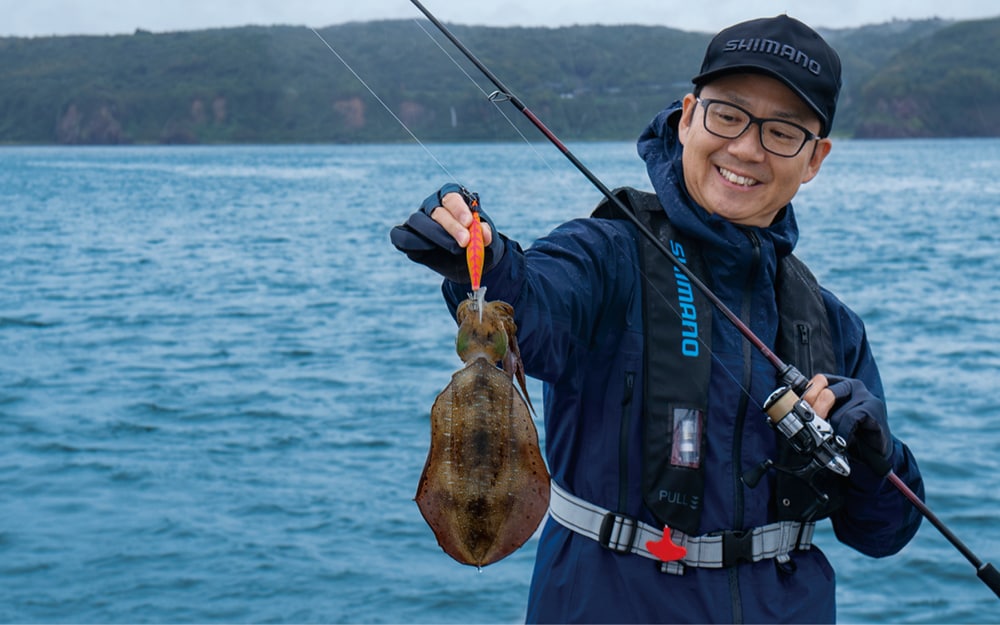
745,314
623,437
805,349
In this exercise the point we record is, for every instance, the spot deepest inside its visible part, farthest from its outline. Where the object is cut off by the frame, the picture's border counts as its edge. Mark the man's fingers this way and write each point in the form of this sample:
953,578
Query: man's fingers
455,217
452,225
819,396
455,204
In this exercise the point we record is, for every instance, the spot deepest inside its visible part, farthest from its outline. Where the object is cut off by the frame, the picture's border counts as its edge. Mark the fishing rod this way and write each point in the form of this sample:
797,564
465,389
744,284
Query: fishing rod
788,414
984,570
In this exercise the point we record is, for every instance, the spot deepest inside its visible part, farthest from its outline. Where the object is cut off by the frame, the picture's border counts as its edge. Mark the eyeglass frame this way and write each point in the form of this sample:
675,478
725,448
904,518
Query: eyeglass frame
752,120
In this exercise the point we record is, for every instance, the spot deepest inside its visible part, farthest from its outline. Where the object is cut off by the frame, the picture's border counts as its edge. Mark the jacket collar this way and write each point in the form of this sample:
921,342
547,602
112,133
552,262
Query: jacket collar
661,149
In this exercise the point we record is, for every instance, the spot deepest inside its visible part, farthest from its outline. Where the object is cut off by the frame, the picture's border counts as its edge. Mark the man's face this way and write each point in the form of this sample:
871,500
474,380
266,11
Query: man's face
737,178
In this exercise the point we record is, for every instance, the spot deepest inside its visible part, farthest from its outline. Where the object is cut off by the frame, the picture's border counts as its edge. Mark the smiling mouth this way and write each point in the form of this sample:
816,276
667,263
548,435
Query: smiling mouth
742,181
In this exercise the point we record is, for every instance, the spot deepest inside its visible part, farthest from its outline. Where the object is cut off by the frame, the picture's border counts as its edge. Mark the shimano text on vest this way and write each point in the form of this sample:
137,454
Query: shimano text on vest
685,301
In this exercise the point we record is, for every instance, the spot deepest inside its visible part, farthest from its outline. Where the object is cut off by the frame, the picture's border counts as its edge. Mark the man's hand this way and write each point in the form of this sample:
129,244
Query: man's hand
437,233
855,414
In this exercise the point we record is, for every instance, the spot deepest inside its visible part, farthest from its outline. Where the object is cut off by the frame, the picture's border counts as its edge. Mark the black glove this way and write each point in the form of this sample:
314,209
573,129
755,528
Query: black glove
859,417
424,241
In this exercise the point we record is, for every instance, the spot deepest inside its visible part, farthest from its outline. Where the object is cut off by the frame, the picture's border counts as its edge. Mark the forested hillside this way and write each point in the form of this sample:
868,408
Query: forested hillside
283,84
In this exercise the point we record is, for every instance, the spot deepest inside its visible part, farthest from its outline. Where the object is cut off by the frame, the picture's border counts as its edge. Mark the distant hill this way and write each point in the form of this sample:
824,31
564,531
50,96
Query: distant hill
282,84
944,84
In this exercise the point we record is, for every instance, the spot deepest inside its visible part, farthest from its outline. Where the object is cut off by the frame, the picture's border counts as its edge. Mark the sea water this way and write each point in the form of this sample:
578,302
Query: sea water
216,373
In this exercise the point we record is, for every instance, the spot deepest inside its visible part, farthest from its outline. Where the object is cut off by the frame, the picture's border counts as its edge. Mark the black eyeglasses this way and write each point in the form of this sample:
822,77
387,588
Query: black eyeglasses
777,136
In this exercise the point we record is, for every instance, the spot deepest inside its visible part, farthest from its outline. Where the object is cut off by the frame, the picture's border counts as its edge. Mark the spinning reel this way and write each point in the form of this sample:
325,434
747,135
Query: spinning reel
808,435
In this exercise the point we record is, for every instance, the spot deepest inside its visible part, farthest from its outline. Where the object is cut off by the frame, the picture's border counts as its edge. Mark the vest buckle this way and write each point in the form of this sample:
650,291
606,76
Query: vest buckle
737,546
618,532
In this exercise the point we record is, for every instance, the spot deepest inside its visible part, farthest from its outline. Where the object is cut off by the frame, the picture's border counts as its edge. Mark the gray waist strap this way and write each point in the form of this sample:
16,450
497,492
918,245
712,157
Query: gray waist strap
625,534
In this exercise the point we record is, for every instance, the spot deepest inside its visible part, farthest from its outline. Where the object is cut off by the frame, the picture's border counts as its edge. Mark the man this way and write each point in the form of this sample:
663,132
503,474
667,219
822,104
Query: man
653,400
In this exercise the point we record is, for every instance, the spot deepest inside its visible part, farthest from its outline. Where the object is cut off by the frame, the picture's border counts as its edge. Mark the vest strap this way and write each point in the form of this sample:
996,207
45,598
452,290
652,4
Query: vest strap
624,534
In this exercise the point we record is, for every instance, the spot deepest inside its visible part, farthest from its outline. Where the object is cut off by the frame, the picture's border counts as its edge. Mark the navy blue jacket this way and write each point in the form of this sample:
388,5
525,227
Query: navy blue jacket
577,300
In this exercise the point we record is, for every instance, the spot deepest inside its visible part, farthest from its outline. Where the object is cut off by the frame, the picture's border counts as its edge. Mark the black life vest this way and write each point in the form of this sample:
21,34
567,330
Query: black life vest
677,320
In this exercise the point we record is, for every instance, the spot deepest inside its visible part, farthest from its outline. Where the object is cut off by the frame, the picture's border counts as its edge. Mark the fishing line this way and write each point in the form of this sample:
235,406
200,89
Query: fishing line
494,98
384,105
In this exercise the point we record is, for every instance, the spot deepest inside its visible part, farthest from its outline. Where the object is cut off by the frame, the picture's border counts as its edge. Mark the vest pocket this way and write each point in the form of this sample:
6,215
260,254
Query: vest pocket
685,446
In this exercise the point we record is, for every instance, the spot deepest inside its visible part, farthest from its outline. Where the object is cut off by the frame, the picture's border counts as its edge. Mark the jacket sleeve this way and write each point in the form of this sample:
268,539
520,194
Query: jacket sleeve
876,519
563,288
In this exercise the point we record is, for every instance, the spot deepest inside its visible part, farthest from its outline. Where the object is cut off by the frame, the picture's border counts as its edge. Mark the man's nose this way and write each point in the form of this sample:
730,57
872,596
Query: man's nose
747,146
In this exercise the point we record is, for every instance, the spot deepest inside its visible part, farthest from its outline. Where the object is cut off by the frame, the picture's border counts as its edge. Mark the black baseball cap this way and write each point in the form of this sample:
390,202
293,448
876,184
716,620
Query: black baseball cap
784,48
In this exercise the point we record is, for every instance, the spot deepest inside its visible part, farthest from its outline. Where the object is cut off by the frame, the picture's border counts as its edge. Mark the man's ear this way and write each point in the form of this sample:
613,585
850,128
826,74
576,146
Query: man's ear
687,118
819,154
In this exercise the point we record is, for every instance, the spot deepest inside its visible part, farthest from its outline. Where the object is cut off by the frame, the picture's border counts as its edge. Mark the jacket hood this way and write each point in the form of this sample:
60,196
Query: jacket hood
661,149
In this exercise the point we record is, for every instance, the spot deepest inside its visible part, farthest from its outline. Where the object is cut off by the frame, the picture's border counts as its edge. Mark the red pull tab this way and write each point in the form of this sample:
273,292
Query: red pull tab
665,549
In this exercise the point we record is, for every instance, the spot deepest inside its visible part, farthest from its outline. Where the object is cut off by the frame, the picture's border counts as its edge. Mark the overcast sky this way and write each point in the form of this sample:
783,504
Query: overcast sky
63,17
